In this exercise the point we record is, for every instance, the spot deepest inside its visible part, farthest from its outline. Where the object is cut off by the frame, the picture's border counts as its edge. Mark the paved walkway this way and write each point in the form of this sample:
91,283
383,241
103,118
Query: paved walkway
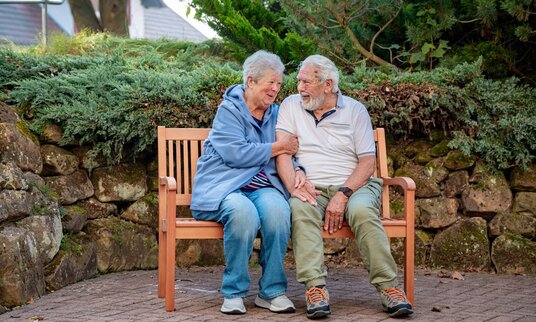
131,296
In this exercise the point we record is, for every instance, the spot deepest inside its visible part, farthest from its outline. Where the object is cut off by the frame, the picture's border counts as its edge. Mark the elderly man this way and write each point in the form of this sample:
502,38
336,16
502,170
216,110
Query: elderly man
337,151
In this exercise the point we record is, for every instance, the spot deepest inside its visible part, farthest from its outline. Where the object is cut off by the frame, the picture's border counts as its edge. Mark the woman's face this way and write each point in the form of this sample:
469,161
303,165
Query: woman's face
264,90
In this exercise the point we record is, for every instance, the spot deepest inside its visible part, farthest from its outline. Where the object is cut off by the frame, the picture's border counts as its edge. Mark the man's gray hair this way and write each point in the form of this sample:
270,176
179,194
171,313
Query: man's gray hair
259,63
326,69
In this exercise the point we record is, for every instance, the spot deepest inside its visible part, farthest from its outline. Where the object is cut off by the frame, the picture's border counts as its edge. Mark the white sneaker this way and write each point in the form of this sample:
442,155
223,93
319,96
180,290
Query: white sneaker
233,306
280,304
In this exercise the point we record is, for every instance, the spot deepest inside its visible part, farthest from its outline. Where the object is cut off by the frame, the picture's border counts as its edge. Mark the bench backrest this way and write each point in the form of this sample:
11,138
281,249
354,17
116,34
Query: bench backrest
179,149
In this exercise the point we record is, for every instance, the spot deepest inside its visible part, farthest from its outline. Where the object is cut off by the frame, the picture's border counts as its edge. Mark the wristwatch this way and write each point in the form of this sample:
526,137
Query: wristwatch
346,191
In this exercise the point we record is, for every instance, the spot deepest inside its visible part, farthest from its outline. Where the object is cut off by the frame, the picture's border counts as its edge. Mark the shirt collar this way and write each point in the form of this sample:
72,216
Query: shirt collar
340,100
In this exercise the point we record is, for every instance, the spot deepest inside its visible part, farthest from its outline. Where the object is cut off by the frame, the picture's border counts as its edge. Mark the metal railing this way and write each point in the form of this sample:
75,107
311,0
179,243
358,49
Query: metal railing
44,14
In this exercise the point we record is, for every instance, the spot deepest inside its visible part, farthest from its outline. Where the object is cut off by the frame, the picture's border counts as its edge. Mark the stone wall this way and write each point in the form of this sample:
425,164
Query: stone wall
61,222
467,217
65,218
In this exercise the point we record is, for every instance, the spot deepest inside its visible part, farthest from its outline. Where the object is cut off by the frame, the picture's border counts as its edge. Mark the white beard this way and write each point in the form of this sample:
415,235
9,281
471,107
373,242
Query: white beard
313,104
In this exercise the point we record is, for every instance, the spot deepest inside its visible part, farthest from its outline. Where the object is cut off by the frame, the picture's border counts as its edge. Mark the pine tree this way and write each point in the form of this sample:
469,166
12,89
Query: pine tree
248,26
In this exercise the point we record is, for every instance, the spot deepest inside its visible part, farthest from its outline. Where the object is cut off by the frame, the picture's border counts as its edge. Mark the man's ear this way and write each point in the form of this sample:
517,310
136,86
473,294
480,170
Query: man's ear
329,85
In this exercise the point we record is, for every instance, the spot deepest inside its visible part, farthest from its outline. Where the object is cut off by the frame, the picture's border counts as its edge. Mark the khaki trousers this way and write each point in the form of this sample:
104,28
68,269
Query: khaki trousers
363,215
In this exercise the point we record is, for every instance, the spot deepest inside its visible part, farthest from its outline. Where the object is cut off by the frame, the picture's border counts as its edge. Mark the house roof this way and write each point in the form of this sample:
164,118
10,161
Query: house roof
164,22
21,23
152,3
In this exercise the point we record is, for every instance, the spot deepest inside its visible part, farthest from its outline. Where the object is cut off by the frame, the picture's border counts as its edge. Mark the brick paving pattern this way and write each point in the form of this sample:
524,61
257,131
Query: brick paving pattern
131,296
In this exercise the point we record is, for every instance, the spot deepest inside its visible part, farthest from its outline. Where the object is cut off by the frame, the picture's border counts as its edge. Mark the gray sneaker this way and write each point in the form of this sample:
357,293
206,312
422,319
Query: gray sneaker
280,304
395,302
233,306
317,299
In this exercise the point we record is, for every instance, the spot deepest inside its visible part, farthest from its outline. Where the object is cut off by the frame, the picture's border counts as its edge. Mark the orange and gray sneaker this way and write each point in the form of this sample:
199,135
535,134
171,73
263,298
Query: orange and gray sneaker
395,302
317,299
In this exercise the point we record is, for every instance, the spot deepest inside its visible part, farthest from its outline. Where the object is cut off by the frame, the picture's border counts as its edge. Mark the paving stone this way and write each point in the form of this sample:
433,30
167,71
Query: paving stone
132,296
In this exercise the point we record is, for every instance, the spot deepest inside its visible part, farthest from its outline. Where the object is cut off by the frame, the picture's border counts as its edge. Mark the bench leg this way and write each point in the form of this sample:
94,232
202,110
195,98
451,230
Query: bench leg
170,273
170,253
161,263
409,267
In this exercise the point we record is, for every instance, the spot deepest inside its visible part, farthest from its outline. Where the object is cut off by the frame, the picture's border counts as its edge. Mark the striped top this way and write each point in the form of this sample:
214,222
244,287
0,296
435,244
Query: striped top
260,180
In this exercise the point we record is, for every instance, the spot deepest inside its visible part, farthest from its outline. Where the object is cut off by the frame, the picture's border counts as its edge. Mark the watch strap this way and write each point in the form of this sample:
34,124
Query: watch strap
346,191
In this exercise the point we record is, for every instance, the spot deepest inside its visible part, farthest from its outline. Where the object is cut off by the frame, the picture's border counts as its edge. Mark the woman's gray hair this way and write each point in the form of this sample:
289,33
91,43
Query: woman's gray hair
259,63
326,69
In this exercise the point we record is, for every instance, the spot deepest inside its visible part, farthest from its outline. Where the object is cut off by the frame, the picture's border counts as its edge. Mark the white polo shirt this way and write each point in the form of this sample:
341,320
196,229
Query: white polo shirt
329,150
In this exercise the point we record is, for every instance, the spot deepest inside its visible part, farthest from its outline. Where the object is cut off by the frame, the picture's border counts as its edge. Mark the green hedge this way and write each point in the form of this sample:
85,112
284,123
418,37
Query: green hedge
112,93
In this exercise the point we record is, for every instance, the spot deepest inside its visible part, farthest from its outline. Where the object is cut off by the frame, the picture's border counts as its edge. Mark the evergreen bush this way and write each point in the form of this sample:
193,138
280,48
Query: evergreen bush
112,93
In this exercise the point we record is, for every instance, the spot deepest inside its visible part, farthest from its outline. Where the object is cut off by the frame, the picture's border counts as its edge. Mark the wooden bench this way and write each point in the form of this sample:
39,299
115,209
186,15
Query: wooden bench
178,151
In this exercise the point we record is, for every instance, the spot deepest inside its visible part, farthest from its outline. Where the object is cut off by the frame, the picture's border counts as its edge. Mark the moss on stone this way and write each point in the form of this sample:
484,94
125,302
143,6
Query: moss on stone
520,242
23,128
456,160
151,199
40,210
422,158
71,244
440,149
45,190
402,173
117,227
426,237
76,210
417,147
397,205
460,248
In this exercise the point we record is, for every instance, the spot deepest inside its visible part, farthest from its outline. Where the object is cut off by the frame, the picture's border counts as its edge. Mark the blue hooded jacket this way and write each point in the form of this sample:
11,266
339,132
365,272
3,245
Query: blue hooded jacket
236,150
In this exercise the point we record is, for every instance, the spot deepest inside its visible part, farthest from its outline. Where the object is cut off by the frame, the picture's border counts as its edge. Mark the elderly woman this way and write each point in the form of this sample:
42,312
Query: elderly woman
236,184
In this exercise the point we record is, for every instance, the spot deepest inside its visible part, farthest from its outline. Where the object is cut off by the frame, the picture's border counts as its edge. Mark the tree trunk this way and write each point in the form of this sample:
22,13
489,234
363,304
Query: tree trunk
84,15
114,16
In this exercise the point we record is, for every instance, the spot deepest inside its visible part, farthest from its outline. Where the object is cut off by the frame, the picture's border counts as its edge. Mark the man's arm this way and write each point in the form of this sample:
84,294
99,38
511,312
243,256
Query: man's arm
285,144
334,216
286,172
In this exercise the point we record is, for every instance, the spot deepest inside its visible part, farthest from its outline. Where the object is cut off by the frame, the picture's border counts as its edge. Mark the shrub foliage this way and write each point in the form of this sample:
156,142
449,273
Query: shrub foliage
112,93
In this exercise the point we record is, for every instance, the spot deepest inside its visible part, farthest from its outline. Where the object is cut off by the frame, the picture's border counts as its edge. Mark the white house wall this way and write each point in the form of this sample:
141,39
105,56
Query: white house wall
136,28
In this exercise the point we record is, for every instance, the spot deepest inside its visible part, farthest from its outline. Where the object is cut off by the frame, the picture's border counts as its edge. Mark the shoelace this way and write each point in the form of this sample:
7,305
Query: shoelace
315,295
395,294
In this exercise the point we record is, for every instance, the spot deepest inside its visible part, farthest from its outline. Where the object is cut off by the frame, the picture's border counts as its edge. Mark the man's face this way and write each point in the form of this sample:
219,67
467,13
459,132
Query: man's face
311,90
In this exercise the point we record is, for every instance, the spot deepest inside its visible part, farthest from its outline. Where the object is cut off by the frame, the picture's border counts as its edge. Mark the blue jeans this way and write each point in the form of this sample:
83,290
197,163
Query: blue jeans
243,214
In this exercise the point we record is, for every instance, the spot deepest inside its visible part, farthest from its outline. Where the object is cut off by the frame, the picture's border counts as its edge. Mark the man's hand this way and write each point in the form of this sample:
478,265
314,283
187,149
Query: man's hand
335,212
306,193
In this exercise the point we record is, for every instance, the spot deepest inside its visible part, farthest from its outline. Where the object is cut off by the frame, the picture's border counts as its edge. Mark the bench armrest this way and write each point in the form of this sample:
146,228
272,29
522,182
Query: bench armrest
409,187
167,192
405,183
169,183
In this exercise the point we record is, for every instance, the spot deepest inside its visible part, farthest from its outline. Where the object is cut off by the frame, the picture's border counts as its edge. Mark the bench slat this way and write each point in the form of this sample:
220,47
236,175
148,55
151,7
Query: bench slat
190,228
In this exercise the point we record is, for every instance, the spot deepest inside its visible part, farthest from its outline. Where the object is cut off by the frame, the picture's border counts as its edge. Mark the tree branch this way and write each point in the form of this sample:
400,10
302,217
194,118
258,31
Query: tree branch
382,29
367,54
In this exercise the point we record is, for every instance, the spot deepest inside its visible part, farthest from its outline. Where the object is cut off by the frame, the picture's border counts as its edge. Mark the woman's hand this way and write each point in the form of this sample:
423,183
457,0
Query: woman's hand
290,142
299,178
306,193
285,144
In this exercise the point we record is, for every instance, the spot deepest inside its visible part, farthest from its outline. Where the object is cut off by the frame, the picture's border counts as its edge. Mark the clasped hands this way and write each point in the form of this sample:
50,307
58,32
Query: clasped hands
334,214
